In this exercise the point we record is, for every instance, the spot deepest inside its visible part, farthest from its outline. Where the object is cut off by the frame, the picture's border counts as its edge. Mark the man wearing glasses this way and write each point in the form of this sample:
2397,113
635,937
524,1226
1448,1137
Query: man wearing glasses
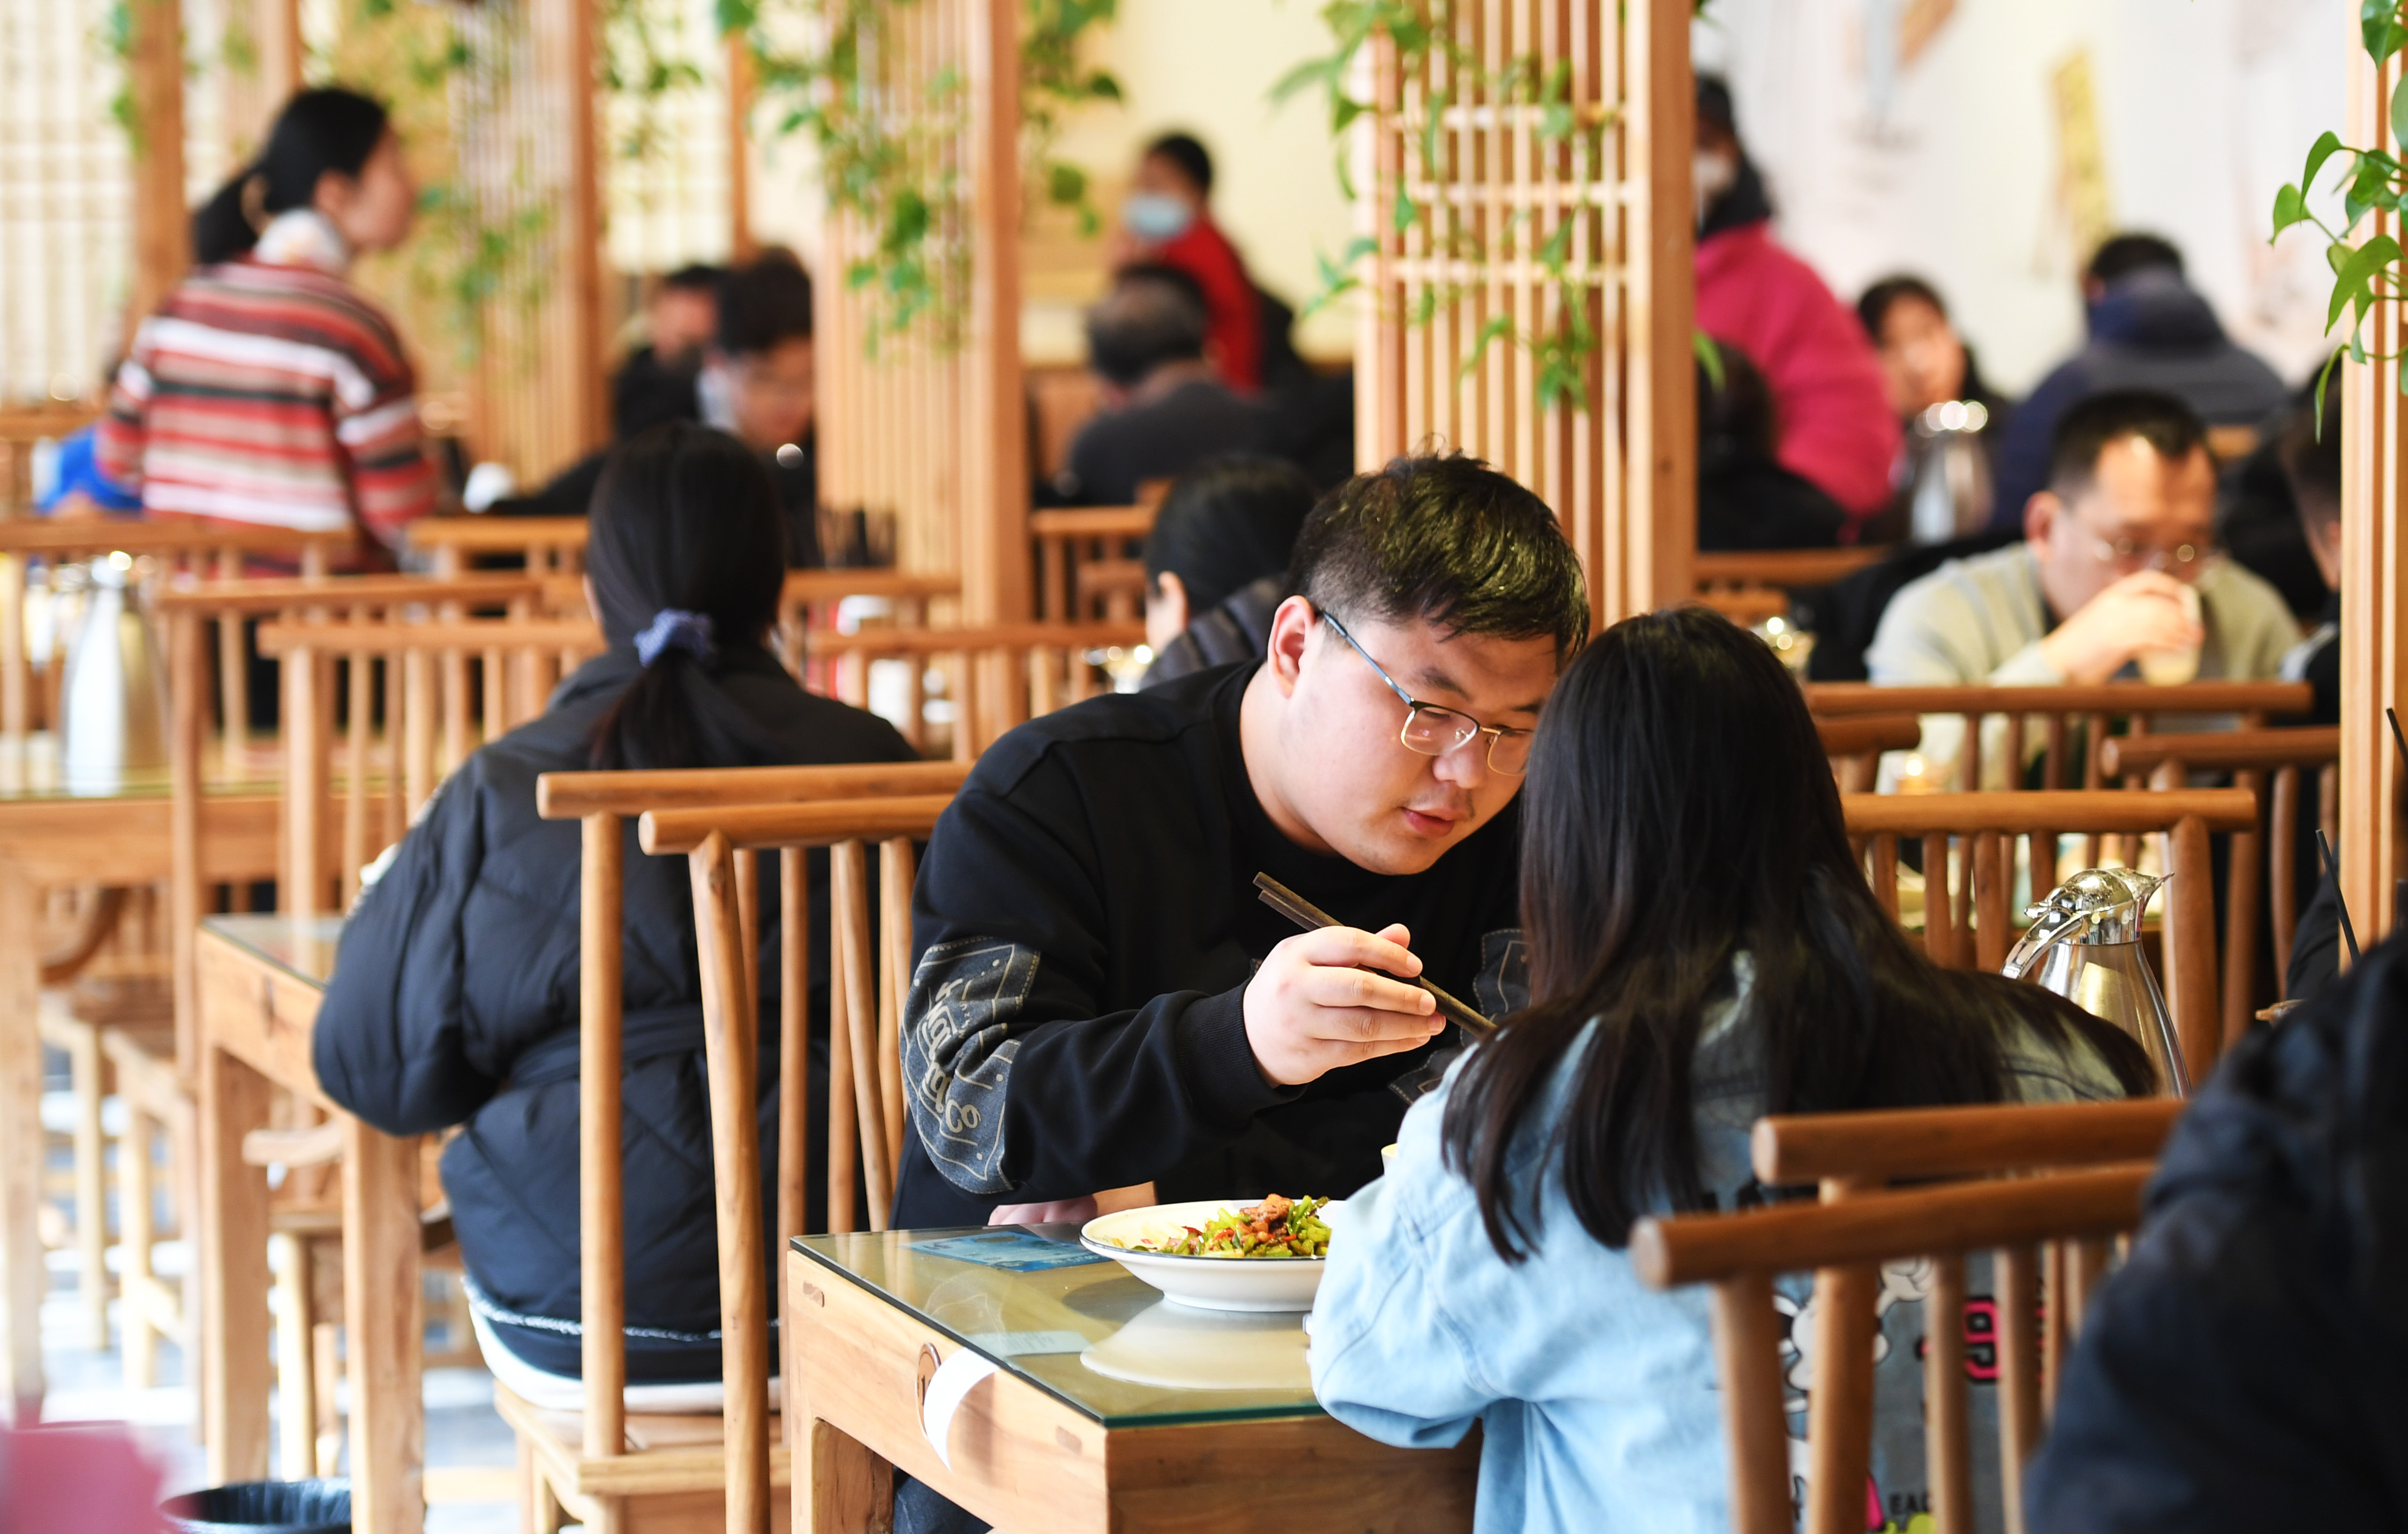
1100,999
2117,576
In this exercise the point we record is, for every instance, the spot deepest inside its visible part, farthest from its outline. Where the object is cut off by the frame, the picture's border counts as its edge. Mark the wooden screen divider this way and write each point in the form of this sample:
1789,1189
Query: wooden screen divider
996,677
604,802
1847,1155
1741,1253
1988,823
2248,755
870,1035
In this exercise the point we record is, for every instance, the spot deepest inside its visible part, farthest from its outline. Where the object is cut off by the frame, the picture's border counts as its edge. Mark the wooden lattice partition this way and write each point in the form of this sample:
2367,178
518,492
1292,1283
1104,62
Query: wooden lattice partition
1619,467
2375,565
931,427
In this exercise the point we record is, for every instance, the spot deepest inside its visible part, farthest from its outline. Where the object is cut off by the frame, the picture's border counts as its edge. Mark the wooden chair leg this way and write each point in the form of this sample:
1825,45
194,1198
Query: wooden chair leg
138,1340
90,1179
297,1373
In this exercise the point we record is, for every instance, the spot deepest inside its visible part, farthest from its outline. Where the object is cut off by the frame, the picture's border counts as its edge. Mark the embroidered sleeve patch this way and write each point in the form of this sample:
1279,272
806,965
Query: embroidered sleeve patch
957,1054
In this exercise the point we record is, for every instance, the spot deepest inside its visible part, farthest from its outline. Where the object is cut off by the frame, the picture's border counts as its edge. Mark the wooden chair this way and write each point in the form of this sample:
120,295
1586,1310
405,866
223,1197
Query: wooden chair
551,546
2249,756
2055,713
1848,1155
996,676
1984,826
23,428
1856,743
1780,569
1083,570
811,597
635,1473
1740,1255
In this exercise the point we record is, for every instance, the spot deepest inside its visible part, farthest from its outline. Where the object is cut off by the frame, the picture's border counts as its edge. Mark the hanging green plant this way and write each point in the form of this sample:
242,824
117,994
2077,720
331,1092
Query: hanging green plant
1421,36
2371,180
885,143
644,67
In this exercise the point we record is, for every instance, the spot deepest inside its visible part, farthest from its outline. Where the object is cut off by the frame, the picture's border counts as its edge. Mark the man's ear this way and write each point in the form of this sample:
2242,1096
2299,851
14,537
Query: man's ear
2040,517
1292,629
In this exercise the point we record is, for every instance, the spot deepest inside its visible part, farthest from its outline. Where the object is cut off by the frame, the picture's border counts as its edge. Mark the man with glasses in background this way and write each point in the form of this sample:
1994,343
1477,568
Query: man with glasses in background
1100,999
2117,577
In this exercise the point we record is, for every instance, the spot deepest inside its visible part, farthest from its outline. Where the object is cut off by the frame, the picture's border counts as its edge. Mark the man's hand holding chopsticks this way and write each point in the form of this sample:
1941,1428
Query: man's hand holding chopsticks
1318,1004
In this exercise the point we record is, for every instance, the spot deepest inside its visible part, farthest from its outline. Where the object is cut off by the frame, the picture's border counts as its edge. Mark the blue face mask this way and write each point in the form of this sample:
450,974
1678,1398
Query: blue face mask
1157,216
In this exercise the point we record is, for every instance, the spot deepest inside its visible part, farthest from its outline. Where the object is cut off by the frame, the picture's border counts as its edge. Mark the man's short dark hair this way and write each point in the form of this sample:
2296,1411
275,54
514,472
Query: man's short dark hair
695,277
1187,152
764,304
1884,295
1447,540
2121,255
2312,459
1714,103
2082,432
1153,315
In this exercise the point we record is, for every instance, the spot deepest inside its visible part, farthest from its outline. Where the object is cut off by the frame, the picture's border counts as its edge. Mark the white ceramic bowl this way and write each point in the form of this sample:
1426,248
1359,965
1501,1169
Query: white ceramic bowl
1213,1284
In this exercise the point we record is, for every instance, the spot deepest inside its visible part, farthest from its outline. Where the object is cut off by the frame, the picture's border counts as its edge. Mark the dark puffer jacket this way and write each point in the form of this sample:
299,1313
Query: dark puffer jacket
455,1000
2243,1372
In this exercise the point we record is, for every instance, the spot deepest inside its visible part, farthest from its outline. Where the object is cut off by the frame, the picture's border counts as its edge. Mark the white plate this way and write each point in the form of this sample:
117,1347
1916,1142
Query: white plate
1179,1347
1213,1284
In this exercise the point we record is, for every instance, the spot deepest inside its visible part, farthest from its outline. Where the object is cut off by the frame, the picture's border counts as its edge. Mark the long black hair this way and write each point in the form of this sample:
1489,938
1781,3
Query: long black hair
685,518
1679,810
327,128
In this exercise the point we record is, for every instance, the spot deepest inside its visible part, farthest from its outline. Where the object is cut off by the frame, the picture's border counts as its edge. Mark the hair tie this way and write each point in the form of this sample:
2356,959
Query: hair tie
255,201
674,629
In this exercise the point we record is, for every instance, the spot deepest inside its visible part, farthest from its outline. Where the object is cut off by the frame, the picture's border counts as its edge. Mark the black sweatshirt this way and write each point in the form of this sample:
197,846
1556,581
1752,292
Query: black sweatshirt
1086,922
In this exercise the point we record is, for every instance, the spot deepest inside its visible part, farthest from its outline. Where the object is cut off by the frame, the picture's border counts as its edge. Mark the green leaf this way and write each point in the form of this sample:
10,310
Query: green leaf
2290,208
1400,218
2323,375
2355,282
1710,358
1311,72
1498,328
2379,27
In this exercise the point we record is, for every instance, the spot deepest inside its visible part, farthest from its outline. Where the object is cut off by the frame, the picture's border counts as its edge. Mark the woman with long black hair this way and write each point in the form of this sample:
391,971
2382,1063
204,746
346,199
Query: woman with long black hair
1702,951
455,995
267,389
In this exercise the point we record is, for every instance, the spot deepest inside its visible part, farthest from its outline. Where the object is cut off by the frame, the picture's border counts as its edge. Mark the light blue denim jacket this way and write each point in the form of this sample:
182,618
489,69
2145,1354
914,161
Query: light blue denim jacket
1596,1394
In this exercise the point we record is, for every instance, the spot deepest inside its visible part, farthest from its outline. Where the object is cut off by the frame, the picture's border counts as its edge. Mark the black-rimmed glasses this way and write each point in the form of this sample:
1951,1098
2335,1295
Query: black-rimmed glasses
1433,731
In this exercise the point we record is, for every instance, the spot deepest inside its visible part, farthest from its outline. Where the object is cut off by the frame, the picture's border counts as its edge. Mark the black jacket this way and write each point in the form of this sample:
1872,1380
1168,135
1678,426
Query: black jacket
1086,922
2243,1372
455,1000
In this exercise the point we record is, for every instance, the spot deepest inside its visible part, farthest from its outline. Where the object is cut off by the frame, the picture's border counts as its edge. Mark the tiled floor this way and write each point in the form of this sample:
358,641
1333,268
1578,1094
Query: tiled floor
87,1385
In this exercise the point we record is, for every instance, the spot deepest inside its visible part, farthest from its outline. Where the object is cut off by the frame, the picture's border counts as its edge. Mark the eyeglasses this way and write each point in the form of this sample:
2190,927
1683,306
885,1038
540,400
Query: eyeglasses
2183,561
1433,732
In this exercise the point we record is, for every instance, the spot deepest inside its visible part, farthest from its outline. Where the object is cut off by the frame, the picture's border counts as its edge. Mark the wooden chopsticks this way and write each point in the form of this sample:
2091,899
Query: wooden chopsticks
1287,902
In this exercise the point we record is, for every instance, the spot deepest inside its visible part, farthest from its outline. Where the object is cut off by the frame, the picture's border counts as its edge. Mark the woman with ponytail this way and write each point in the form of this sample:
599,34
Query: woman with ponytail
455,997
1704,950
267,389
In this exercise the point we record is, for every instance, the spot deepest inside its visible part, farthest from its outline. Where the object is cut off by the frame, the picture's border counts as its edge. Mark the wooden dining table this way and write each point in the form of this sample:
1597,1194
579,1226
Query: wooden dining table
261,978
1109,1408
53,834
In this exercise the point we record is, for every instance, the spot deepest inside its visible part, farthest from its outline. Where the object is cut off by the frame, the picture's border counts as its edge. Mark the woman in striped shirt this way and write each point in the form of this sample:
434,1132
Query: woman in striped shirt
267,389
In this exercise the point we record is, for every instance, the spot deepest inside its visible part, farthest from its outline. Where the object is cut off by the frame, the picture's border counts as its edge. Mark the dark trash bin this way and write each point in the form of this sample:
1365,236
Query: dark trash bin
264,1507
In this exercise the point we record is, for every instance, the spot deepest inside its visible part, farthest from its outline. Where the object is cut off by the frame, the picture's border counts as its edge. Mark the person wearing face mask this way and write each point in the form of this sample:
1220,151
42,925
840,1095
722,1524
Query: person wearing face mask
1167,221
1951,420
1836,427
267,389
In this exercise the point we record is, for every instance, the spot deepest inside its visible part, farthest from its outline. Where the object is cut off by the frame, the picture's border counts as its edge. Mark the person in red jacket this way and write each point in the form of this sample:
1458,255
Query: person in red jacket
1167,221
1836,428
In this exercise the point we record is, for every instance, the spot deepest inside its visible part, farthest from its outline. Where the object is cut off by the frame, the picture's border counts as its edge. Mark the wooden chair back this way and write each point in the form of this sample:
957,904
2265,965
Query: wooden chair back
1740,1255
604,801
551,546
2071,722
1852,1154
206,745
34,554
1083,568
996,676
810,601
1981,829
1856,743
23,428
1779,569
865,997
2249,756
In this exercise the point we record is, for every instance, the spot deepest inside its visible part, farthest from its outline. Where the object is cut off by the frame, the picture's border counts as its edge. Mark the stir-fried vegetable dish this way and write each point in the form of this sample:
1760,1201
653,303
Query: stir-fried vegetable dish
1276,1228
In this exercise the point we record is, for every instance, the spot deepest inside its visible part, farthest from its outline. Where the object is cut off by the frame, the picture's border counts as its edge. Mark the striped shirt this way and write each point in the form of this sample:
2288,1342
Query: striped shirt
271,394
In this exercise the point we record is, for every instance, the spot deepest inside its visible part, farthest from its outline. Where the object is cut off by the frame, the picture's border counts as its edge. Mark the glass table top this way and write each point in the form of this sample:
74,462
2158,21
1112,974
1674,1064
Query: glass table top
31,770
1091,1336
303,947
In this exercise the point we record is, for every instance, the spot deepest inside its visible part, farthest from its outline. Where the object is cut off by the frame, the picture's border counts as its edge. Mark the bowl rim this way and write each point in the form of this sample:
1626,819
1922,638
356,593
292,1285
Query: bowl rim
1106,1248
